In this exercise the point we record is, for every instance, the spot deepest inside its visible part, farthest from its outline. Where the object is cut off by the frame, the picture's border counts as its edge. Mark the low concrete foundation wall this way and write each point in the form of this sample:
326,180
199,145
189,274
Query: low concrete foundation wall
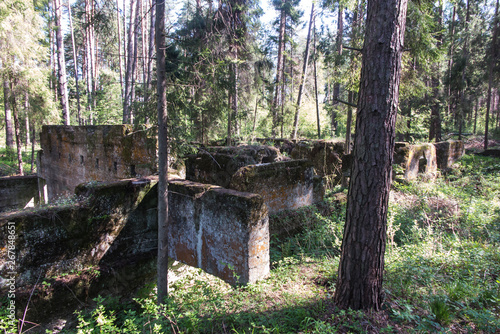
449,152
284,185
18,192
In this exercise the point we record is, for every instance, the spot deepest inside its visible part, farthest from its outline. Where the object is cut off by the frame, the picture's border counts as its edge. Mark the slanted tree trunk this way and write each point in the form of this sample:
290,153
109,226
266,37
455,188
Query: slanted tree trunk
9,131
303,76
63,83
359,283
162,266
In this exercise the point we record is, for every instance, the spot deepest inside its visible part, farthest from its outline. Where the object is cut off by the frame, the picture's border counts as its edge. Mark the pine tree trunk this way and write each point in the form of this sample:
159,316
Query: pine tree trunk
279,70
17,129
120,53
75,65
162,269
316,85
129,72
26,120
9,131
303,76
435,121
493,58
63,83
336,87
359,283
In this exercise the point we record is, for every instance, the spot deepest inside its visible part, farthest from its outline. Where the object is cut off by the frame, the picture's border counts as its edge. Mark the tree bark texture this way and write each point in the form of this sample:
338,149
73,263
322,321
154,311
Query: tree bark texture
491,66
162,264
17,128
75,65
130,66
359,284
63,83
9,131
279,70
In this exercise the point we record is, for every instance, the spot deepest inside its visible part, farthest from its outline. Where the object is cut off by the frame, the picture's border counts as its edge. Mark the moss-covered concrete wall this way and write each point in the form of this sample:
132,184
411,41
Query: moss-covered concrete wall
222,231
284,185
18,192
71,155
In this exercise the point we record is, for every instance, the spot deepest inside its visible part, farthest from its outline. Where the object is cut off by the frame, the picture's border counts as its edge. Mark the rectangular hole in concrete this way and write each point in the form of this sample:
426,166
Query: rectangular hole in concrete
115,167
82,160
97,163
132,171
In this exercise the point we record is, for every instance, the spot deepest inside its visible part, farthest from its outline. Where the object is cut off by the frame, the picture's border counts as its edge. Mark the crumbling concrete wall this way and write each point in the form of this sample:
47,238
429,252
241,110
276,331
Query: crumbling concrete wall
284,185
416,159
222,231
217,165
428,158
113,226
326,156
449,152
71,155
18,192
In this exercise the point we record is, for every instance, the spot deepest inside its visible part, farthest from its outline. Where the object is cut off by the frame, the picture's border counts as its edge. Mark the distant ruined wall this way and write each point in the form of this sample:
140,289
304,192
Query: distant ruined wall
18,192
71,155
284,185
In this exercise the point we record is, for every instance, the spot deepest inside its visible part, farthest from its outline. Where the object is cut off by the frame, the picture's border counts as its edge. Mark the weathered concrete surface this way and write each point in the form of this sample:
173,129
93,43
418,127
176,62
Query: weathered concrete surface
18,192
283,185
326,156
416,159
217,165
449,152
222,231
113,227
71,155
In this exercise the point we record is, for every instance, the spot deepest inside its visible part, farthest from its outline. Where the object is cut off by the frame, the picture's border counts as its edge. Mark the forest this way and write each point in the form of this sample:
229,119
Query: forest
233,71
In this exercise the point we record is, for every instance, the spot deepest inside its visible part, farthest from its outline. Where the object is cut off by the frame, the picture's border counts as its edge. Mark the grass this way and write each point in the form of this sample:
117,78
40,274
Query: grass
442,272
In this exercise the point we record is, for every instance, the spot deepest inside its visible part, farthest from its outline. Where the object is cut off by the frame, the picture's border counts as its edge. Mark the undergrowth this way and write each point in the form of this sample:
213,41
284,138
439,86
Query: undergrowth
442,272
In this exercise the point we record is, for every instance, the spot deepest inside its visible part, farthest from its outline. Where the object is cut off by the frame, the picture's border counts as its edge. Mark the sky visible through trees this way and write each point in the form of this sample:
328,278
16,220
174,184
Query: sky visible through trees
234,67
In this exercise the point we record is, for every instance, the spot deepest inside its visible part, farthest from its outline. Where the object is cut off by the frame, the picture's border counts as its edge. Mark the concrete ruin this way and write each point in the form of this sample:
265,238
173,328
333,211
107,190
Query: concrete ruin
71,155
219,216
18,192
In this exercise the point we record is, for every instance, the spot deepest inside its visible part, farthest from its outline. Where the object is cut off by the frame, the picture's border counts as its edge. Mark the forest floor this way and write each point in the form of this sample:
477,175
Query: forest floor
442,271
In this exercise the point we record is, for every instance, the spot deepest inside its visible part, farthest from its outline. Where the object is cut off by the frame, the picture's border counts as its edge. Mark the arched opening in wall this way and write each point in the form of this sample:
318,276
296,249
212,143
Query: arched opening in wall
132,171
82,160
115,167
97,163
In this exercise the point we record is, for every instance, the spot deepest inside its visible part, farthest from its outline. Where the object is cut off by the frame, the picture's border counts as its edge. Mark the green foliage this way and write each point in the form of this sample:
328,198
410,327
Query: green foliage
441,273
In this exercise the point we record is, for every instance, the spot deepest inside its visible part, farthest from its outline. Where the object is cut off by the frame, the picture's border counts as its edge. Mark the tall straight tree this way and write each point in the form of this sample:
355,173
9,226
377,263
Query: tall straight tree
359,283
63,83
130,66
75,63
162,265
491,67
9,132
